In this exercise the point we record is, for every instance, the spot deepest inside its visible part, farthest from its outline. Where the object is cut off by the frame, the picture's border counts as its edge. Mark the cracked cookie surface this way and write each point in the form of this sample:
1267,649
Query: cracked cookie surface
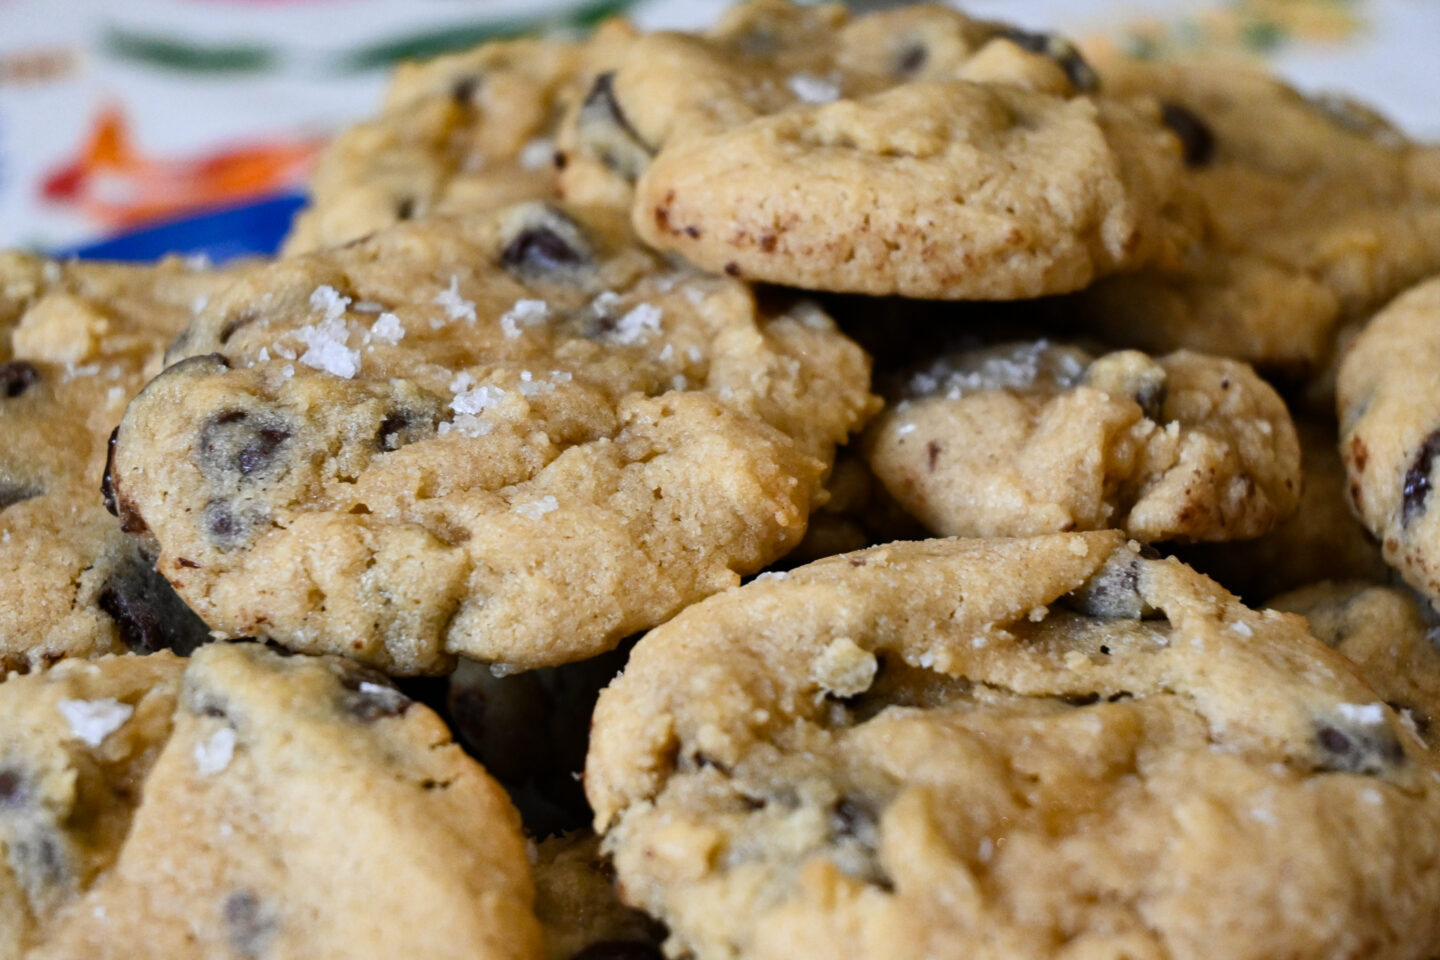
245,804
916,152
1317,212
517,437
1388,398
1039,437
77,341
1045,747
462,133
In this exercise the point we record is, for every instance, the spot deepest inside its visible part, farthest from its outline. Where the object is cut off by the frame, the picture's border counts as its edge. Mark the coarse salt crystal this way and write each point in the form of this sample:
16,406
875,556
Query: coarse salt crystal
1367,713
640,323
327,299
478,399
467,425
812,88
523,313
456,307
536,509
214,753
538,154
91,721
388,328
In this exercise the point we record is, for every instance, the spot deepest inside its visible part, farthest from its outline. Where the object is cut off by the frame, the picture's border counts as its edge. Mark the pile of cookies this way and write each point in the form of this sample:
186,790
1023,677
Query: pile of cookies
389,598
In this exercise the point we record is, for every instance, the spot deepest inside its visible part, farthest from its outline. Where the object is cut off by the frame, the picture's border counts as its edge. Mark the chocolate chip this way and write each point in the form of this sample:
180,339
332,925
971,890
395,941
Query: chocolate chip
604,132
107,481
387,436
544,242
247,927
912,58
234,442
225,528
1347,745
1082,76
369,696
1113,592
463,90
12,788
853,817
12,492
932,455
405,209
1080,699
233,325
148,614
1196,138
1417,479
620,950
1151,398
16,377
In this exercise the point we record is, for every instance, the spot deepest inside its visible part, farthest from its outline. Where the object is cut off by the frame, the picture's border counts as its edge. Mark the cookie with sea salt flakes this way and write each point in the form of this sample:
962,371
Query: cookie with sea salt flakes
246,804
1317,211
78,340
917,152
1388,633
466,132
1388,398
985,749
518,437
1039,437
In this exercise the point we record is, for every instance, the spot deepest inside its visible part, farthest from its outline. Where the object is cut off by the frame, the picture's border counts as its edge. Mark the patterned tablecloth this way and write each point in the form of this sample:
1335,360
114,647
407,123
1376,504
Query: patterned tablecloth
117,115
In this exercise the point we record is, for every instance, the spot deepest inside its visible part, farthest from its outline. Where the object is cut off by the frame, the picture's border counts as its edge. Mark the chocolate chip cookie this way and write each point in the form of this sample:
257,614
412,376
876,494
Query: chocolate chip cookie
917,152
466,132
1321,540
1388,395
246,804
77,341
519,437
1044,747
1038,437
1317,210
1389,633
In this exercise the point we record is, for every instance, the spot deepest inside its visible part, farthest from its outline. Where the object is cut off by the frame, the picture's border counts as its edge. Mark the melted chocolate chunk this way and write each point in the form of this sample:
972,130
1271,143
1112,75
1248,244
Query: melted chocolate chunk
233,325
911,60
1196,138
1114,591
1347,745
545,243
604,132
107,482
12,788
620,950
12,493
1080,699
16,377
463,90
405,209
225,528
234,442
1416,489
369,697
1082,76
247,927
148,613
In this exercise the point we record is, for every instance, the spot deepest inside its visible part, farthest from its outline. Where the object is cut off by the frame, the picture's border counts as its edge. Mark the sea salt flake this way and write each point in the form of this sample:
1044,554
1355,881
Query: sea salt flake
214,753
328,300
536,509
813,88
1371,714
467,425
524,313
388,329
91,721
538,154
639,324
1242,628
478,399
456,307
263,356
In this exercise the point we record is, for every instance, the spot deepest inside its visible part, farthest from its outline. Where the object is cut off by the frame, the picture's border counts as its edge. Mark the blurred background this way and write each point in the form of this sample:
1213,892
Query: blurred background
134,128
